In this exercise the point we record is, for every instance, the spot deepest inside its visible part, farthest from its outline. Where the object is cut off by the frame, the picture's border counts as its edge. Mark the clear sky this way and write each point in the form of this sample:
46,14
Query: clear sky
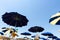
37,11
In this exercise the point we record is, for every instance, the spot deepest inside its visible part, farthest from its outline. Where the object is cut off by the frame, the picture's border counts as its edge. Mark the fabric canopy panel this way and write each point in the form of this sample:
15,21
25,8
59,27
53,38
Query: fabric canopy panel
55,19
36,29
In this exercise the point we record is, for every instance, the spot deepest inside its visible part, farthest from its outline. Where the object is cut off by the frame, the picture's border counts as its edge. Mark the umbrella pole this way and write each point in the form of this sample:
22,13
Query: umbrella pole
47,37
52,39
15,25
36,37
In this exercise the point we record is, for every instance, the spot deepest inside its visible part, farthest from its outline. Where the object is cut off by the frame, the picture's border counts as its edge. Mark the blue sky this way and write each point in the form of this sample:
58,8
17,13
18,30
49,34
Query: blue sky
37,11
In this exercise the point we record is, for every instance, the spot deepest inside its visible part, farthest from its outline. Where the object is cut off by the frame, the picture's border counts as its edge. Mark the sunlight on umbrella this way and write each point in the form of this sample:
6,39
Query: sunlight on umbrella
53,37
55,19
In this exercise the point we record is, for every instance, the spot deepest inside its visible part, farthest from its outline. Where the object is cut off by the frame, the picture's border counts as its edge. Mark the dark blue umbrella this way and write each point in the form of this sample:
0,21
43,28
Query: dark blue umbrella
36,29
1,33
47,34
53,37
32,36
4,31
26,33
3,27
14,19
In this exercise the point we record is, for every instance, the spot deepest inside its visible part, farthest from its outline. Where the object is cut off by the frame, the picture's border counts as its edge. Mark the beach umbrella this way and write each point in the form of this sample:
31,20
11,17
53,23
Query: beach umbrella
53,37
3,27
1,33
26,33
14,19
33,36
55,19
47,34
36,29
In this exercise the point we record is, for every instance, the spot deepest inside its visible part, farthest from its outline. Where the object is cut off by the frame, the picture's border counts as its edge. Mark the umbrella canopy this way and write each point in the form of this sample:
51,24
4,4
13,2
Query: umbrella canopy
47,34
14,19
55,19
53,37
1,33
32,36
26,33
36,29
3,27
